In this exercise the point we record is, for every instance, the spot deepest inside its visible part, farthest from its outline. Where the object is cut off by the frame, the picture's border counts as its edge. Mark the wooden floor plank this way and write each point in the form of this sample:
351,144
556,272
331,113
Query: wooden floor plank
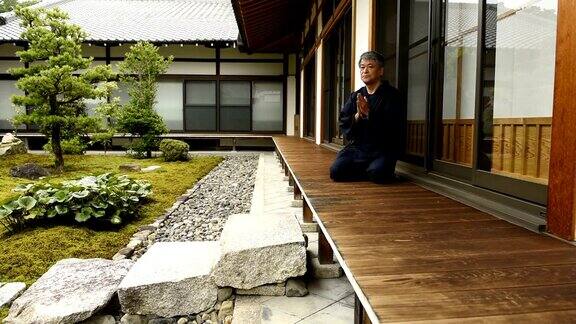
420,256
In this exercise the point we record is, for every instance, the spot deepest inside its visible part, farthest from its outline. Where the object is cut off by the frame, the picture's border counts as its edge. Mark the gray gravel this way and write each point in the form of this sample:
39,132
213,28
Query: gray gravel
226,190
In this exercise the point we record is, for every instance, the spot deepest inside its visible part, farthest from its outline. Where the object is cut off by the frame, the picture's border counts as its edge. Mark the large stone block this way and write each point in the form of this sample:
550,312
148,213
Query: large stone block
10,291
258,250
171,279
70,291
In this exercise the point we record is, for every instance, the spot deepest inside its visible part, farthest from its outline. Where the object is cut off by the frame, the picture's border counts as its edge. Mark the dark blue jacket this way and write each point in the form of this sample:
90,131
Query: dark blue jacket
384,129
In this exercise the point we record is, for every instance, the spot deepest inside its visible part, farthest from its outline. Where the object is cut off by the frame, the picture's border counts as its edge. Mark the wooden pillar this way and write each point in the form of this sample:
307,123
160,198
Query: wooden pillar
360,316
308,217
325,253
297,193
562,182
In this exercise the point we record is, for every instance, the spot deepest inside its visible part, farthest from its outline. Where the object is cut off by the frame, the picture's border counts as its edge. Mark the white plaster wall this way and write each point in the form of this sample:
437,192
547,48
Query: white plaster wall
318,117
291,97
233,53
251,69
192,68
361,36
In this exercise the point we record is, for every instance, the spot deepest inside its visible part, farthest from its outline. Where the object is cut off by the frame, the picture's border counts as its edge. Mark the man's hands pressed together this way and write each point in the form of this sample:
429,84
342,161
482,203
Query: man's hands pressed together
362,107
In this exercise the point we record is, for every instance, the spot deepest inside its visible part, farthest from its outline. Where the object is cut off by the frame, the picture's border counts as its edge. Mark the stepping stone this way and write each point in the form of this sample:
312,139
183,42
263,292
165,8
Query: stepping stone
171,279
71,291
258,250
247,310
151,168
10,291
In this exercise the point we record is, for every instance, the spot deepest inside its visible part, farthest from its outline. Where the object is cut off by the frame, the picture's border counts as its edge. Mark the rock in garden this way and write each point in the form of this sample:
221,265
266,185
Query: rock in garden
101,319
226,310
224,293
151,168
264,290
29,171
10,291
258,250
71,291
133,319
130,167
296,288
11,145
171,279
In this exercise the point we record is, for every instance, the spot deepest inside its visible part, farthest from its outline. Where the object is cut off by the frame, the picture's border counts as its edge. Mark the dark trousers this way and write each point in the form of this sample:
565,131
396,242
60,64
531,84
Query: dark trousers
354,164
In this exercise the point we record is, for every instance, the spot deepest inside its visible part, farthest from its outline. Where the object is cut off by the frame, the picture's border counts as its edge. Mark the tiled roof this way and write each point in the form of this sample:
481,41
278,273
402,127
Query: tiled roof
146,20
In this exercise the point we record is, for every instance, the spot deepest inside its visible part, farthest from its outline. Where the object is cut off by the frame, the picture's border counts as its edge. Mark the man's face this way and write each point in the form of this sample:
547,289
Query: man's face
370,71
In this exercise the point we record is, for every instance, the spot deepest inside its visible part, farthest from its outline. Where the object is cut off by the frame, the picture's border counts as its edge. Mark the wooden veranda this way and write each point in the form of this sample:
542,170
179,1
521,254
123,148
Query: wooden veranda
414,255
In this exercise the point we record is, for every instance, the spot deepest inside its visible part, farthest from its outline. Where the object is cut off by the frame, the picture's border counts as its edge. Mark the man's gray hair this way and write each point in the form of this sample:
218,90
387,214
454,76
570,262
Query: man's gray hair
372,56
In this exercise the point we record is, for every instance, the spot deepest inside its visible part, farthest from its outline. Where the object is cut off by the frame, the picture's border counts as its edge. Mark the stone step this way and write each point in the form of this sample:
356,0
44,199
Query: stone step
71,291
260,249
171,279
247,310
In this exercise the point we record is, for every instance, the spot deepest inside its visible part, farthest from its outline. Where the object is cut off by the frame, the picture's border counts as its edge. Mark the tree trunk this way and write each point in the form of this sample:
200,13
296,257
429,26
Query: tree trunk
57,148
149,154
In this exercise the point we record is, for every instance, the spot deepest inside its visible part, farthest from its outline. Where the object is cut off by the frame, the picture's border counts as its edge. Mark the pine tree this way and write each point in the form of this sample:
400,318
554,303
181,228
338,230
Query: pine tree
140,70
58,79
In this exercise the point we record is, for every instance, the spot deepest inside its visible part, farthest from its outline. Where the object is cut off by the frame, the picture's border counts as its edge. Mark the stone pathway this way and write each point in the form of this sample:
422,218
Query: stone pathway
226,190
328,301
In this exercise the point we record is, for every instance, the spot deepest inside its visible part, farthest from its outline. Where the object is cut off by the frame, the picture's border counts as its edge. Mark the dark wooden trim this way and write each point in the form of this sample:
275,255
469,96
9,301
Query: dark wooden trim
562,180
107,58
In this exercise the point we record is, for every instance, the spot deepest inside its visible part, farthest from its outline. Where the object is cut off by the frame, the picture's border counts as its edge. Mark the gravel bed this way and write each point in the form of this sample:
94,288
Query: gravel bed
225,191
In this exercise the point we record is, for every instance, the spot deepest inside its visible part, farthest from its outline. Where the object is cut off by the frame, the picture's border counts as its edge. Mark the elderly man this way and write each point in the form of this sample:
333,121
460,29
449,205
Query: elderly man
372,120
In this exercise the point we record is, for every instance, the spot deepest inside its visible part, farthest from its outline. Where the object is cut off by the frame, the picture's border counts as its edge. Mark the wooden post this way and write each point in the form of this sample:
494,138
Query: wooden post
308,217
291,181
297,193
325,253
360,316
562,181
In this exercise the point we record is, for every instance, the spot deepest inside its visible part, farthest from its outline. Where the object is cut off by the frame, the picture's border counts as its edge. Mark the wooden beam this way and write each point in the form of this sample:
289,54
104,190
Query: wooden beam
562,182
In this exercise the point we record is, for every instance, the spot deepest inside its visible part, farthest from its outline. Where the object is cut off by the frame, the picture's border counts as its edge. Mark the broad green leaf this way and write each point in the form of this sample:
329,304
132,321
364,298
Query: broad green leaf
61,209
99,213
61,195
116,220
51,213
81,217
27,202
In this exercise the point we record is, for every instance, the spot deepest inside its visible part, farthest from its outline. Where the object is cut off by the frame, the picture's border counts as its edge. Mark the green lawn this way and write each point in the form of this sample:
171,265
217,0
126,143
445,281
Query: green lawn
25,256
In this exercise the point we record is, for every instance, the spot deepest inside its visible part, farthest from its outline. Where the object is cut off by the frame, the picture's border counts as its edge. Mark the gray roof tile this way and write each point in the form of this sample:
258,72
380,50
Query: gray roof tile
146,20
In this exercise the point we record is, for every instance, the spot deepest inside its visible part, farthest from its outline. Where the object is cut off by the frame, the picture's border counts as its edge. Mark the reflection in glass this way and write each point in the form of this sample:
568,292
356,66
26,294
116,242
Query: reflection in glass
459,88
417,78
518,88
168,104
200,108
267,108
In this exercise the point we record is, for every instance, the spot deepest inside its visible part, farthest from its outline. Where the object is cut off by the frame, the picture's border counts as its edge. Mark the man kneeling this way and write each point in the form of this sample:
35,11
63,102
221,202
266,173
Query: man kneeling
372,120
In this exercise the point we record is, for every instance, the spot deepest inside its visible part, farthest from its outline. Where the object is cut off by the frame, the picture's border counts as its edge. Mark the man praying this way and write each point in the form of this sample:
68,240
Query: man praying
372,121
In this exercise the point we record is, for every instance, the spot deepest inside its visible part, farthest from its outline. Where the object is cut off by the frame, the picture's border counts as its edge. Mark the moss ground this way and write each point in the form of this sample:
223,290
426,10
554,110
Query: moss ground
26,255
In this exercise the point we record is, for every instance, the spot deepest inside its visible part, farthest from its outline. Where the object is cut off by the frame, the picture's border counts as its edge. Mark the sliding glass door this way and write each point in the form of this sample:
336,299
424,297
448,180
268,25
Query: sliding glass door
494,108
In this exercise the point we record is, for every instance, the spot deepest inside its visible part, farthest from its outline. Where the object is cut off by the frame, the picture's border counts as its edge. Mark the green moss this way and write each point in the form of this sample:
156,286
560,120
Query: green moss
26,255
3,312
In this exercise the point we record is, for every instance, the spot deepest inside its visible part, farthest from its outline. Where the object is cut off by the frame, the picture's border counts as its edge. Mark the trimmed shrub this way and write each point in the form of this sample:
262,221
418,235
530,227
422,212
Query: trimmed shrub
106,198
174,150
73,146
